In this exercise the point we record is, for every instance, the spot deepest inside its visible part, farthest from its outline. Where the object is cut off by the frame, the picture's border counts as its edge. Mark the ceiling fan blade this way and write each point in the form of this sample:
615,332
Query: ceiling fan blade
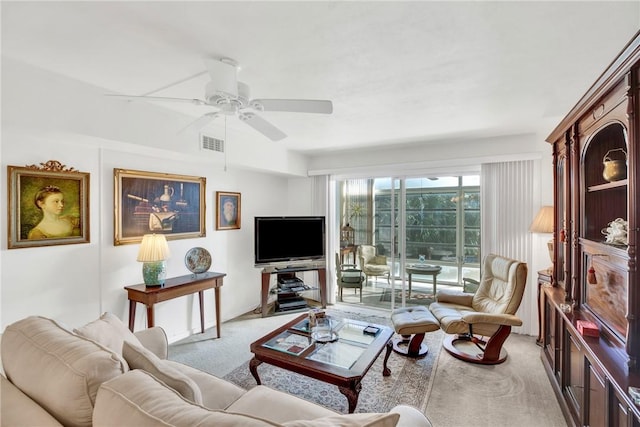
158,98
200,122
223,76
262,126
293,105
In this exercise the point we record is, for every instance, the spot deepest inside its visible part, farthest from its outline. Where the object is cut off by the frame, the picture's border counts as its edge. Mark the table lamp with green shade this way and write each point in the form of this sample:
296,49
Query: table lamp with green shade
543,223
153,253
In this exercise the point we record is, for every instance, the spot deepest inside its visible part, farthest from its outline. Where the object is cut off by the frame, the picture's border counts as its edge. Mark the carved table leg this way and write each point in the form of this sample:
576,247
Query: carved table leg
253,367
352,395
386,371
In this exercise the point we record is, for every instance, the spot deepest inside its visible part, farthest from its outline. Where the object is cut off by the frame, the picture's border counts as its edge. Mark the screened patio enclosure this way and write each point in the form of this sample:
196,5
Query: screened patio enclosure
417,223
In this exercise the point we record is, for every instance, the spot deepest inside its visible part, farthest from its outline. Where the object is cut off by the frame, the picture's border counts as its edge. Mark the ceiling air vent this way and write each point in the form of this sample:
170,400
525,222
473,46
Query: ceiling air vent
212,144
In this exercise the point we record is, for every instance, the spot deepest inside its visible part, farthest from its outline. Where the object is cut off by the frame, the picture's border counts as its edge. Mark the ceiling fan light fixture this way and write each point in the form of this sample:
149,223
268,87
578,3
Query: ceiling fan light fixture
232,98
223,79
229,109
244,94
230,61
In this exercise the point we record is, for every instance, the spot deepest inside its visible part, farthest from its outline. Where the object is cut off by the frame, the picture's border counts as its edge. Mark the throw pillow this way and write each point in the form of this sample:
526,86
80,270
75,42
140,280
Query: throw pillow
141,358
58,369
109,331
348,420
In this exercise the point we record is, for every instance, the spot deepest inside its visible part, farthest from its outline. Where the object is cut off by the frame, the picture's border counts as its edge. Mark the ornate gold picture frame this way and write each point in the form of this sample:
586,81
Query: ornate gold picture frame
161,203
48,205
228,211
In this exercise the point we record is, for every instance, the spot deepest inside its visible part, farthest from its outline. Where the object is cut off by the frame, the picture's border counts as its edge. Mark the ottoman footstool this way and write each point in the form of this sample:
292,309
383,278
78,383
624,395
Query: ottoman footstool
412,323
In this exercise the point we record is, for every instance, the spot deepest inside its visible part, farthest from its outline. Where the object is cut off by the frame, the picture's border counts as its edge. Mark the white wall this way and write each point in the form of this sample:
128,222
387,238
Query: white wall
76,283
48,117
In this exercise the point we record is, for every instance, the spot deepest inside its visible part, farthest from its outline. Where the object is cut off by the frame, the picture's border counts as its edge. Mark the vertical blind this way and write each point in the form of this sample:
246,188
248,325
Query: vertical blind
507,193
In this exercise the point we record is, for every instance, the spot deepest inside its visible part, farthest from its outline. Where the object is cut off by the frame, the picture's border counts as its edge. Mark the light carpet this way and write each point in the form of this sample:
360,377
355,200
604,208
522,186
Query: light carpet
514,393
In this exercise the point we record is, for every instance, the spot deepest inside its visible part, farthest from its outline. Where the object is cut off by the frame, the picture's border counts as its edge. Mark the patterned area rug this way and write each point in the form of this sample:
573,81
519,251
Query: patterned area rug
409,383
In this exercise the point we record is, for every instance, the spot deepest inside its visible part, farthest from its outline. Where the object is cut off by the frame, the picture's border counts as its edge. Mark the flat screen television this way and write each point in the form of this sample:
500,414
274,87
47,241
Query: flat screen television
281,239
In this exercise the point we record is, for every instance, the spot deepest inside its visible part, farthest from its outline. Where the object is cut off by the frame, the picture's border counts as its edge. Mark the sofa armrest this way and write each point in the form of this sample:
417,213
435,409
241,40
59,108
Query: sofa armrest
493,319
18,409
137,398
155,340
410,417
454,297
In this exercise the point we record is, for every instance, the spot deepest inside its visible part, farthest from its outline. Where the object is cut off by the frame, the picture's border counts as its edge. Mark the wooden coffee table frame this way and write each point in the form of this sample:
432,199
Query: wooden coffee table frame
349,381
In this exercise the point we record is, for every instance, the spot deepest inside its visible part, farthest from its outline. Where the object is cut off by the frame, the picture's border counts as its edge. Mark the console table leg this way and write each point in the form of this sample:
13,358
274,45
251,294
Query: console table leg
385,370
253,368
201,298
351,395
132,314
150,316
217,299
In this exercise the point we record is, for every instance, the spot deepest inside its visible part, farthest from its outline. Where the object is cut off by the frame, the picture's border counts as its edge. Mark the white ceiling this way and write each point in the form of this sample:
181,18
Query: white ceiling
397,72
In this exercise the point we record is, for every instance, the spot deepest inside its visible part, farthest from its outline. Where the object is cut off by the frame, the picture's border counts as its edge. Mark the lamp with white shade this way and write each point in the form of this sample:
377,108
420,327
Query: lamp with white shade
543,223
153,253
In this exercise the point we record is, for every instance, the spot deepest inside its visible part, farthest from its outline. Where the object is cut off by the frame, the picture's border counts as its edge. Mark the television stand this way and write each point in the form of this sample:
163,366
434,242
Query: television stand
288,272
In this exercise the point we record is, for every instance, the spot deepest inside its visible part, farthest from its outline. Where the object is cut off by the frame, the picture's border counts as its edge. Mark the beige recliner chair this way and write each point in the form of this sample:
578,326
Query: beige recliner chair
490,312
372,264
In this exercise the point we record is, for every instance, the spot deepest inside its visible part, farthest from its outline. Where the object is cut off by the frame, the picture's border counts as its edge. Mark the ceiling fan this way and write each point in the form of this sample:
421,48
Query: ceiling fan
231,97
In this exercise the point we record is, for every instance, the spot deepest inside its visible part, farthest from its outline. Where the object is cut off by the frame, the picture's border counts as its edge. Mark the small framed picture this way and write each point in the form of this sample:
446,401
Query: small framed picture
228,213
48,205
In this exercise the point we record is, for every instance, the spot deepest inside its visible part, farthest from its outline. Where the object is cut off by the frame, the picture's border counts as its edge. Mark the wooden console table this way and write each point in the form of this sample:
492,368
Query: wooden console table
174,288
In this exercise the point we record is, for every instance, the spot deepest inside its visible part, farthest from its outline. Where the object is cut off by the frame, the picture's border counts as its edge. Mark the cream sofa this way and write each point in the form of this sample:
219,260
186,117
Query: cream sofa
104,375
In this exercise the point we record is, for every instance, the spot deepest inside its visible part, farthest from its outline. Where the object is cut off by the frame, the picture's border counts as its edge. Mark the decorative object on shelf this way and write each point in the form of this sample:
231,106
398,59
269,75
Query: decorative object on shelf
422,259
153,253
197,260
614,170
592,279
324,330
616,232
347,235
48,205
228,212
588,329
148,202
591,275
543,223
567,306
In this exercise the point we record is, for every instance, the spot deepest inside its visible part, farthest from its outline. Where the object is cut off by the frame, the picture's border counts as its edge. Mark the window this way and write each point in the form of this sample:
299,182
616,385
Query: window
441,219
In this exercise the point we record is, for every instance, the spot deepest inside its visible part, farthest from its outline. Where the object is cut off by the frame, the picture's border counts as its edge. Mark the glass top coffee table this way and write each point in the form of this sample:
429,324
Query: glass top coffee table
343,362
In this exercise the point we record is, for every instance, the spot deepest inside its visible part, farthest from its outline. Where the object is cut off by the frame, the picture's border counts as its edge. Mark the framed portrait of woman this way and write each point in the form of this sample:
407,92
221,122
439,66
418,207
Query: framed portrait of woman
48,205
227,211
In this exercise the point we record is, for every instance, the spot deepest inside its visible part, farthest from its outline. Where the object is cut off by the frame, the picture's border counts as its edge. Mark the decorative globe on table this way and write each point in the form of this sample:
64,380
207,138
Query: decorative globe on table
197,260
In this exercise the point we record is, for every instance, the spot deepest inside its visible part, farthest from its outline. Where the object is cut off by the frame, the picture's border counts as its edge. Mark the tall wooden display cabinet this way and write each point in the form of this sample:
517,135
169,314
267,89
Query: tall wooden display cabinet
596,152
